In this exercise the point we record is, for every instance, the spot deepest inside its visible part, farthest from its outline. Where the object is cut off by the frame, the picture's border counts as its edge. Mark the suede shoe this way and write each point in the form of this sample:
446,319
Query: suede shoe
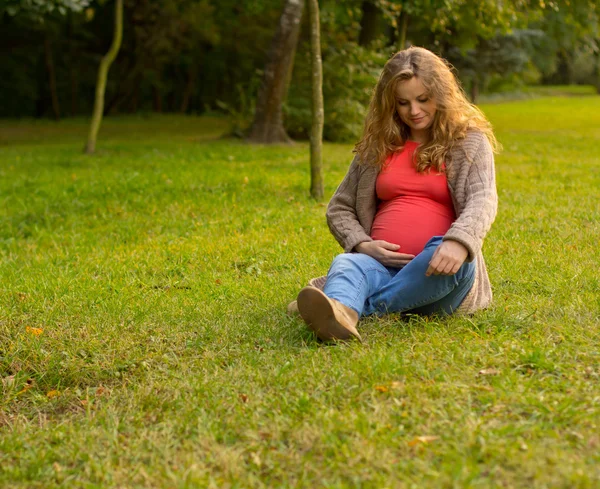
328,318
319,283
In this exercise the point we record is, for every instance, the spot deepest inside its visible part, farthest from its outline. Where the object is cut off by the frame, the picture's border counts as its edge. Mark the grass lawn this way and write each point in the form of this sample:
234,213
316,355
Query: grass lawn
144,341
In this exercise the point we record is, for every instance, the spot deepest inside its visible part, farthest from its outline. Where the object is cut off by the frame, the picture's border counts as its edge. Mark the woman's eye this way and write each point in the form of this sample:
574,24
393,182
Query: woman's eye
423,100
401,103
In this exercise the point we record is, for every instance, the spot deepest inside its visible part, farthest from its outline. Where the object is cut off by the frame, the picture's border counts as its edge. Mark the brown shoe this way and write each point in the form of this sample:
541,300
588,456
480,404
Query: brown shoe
328,318
319,283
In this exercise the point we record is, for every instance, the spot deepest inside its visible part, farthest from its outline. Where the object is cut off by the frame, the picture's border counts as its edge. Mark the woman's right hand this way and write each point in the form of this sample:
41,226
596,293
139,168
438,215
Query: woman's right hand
384,252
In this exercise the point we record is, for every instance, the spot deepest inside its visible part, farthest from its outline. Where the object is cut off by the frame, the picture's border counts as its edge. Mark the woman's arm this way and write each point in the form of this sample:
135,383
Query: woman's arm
477,189
341,212
476,192
344,224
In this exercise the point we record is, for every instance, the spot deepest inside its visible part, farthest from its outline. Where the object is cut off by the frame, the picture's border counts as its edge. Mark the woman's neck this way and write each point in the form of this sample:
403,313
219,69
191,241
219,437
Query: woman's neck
419,136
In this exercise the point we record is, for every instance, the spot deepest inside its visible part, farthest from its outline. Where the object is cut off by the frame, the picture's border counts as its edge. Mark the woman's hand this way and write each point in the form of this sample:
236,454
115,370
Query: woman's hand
384,252
447,258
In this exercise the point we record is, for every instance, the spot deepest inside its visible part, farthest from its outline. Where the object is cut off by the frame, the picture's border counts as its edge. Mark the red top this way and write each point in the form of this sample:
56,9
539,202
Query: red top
413,206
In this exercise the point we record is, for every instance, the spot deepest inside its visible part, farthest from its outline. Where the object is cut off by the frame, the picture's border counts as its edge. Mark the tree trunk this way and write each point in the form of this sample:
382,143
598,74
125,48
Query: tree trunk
403,29
41,76
74,81
597,67
188,90
102,75
135,96
51,76
73,73
267,126
565,68
157,98
318,113
370,23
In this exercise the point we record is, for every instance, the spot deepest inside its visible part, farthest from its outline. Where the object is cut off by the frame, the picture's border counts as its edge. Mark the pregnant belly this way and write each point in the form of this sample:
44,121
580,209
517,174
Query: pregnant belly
411,222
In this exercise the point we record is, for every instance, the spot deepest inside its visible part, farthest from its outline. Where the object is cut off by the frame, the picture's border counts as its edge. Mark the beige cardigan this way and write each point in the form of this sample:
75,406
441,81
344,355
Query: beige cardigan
472,184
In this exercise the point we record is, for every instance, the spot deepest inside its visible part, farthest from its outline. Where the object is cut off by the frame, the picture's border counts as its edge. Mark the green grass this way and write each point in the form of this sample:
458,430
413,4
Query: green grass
159,270
536,91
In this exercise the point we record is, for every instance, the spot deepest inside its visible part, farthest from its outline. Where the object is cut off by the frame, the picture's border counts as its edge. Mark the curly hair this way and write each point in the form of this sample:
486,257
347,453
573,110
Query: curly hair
385,133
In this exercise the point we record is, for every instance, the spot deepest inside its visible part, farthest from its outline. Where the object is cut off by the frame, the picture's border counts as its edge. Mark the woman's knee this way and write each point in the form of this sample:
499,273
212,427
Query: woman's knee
352,262
344,261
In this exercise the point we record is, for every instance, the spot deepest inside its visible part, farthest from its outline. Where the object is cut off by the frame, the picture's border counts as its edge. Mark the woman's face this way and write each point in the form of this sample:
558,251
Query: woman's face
416,108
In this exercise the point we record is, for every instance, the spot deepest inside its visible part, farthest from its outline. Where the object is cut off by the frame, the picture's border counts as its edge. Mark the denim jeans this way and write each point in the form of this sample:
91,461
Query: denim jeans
362,283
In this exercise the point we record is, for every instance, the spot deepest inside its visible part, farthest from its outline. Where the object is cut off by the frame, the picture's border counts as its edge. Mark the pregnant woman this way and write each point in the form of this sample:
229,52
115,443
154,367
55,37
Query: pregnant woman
414,207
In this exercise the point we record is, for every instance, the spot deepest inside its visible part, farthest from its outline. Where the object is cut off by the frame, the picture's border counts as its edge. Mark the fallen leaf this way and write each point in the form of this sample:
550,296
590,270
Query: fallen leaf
34,331
418,440
52,394
28,385
264,435
489,371
397,385
381,388
244,397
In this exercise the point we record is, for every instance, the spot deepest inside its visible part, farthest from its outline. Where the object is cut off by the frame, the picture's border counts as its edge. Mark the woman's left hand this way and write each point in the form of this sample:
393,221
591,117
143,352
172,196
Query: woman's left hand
447,258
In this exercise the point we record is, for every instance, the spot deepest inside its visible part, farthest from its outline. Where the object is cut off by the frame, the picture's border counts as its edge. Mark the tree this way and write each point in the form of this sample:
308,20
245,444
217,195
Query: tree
102,75
36,9
318,116
503,55
570,26
267,126
40,13
371,23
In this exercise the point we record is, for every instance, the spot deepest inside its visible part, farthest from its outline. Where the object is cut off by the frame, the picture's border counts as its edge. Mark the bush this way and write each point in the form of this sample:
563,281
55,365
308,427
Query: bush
584,66
350,73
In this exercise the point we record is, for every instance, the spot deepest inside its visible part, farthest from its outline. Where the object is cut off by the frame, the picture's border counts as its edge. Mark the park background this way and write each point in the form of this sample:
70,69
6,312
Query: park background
143,334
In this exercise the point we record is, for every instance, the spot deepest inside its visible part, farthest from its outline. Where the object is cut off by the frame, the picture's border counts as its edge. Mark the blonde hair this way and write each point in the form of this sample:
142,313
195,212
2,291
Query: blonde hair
385,133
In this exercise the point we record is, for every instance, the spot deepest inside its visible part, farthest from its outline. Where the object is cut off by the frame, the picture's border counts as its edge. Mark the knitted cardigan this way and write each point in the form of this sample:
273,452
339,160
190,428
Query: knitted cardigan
472,184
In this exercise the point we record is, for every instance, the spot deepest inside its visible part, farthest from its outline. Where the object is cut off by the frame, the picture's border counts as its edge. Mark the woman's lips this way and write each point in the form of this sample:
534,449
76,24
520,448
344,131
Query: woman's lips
418,119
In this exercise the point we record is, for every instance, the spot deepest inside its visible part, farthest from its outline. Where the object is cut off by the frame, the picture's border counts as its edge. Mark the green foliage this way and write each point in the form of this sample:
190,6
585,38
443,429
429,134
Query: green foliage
572,29
38,8
240,112
199,55
586,66
350,73
497,63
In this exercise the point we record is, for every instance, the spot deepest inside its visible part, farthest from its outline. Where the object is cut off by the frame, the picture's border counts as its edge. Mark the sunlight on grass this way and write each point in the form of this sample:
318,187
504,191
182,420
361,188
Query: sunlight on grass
144,341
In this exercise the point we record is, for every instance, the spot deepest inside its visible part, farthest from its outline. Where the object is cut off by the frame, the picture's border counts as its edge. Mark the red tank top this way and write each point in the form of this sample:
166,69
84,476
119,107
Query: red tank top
413,206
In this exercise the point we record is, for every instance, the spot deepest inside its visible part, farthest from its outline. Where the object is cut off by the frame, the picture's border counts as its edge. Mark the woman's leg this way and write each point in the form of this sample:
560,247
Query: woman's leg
410,289
354,277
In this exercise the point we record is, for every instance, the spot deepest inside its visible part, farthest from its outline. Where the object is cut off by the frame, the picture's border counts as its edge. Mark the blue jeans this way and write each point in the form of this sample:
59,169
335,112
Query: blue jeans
362,283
